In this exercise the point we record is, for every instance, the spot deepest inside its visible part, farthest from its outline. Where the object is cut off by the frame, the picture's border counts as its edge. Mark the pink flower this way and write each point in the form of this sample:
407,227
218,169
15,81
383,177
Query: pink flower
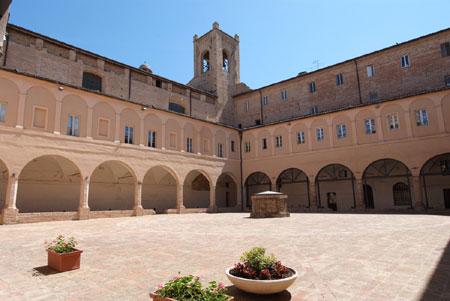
160,286
221,285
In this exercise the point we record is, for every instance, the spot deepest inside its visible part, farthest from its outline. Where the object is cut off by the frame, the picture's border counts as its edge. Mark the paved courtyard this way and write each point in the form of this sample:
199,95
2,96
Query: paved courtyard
338,256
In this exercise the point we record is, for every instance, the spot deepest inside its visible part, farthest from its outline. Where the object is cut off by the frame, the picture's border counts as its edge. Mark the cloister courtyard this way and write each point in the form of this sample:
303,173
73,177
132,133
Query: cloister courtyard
338,256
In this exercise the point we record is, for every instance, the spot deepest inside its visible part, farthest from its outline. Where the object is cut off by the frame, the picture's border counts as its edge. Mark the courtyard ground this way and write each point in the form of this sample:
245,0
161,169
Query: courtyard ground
338,256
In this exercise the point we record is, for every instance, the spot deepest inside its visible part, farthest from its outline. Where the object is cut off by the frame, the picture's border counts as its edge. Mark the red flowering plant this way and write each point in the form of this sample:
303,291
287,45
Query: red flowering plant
256,265
61,244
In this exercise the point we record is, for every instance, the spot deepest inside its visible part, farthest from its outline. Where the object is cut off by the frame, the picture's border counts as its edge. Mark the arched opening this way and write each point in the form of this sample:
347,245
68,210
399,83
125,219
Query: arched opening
294,183
49,184
4,174
159,189
255,183
205,62
112,187
225,61
196,190
435,175
336,187
226,192
389,180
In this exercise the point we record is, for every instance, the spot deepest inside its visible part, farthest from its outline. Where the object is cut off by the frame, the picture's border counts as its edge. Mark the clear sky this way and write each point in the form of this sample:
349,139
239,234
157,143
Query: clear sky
278,38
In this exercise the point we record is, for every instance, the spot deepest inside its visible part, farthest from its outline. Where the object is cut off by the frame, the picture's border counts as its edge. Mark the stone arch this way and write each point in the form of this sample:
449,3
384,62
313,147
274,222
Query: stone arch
40,106
74,109
159,189
112,187
255,183
196,189
295,184
381,175
335,184
435,176
103,121
226,191
129,118
50,183
9,97
4,176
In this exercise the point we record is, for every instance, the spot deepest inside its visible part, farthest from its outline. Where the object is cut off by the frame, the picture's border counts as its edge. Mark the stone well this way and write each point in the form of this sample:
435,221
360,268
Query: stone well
269,204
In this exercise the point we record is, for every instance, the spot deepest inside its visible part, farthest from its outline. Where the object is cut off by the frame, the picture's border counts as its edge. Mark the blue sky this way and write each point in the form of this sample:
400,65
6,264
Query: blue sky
278,38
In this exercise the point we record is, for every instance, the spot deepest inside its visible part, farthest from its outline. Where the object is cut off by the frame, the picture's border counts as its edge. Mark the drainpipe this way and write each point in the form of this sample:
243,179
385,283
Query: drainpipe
357,79
241,170
6,49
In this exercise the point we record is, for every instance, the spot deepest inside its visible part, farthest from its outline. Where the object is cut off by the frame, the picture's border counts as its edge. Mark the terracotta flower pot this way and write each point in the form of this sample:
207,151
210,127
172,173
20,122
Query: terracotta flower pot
157,297
261,287
63,262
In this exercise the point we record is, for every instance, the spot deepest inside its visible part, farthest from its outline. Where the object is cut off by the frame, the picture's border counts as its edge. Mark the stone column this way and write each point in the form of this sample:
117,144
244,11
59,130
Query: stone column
10,212
21,111
83,208
117,132
180,205
89,123
238,196
212,199
138,210
57,127
313,193
359,194
416,191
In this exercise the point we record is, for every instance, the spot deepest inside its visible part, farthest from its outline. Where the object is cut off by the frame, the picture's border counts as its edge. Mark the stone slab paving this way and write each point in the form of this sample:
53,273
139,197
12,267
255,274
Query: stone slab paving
338,256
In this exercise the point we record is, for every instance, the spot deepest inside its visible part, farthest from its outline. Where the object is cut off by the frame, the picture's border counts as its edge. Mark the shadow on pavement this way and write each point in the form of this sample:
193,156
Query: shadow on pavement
243,296
438,287
44,271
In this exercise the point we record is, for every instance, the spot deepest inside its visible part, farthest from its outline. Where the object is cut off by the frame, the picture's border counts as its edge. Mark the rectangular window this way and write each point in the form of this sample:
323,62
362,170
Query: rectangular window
257,121
370,126
2,112
129,132
189,145
279,141
247,106
300,137
319,134
103,127
151,139
393,121
92,82
73,125
173,140
40,118
232,146
339,79
341,130
220,150
265,100
284,95
247,147
264,143
158,83
405,61
312,87
421,117
370,71
445,49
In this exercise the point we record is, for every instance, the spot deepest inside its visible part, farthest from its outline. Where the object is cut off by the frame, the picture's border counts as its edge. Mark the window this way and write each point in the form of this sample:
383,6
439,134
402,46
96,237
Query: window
370,71
151,139
284,95
247,147
393,121
128,138
319,134
73,125
405,61
447,80
205,62
264,143
2,112
92,82
189,145
373,96
421,117
257,121
225,63
339,79
232,146
401,194
312,87
40,118
300,137
103,127
314,110
158,83
173,140
445,49
247,106
174,107
265,100
220,150
370,126
279,141
341,130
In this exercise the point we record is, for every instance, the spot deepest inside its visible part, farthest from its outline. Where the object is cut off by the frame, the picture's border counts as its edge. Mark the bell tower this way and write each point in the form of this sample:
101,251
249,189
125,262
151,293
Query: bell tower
4,16
216,68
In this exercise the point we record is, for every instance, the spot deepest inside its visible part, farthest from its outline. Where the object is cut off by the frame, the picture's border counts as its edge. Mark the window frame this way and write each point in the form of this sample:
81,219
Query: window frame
264,144
312,87
301,137
369,125
422,118
107,127
220,150
265,100
232,146
279,141
341,131
189,145
71,131
128,137
247,146
339,79
35,107
370,70
151,138
3,112
88,78
404,61
393,121
320,134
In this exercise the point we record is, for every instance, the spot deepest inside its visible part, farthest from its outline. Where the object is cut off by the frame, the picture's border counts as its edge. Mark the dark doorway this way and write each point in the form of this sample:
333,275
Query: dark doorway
447,198
368,196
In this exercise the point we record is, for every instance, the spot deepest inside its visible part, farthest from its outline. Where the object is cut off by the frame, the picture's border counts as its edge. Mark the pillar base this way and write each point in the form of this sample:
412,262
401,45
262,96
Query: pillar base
10,216
138,211
212,209
83,213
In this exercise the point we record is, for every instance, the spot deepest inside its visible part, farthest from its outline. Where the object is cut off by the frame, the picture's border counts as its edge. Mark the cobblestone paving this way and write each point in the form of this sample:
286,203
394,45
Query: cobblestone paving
338,256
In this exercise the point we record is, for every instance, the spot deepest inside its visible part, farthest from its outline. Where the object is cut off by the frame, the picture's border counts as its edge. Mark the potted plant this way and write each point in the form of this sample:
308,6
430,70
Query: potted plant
62,254
259,273
189,288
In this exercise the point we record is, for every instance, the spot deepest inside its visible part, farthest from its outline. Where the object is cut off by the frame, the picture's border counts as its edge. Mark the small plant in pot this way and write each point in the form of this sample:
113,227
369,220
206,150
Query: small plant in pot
260,273
62,254
189,288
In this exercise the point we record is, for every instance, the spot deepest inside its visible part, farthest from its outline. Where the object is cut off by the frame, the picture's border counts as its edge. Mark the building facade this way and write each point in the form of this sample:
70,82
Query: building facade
83,136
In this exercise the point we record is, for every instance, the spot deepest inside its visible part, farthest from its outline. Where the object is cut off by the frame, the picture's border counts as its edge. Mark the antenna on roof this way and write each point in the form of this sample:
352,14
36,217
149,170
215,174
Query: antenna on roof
316,64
